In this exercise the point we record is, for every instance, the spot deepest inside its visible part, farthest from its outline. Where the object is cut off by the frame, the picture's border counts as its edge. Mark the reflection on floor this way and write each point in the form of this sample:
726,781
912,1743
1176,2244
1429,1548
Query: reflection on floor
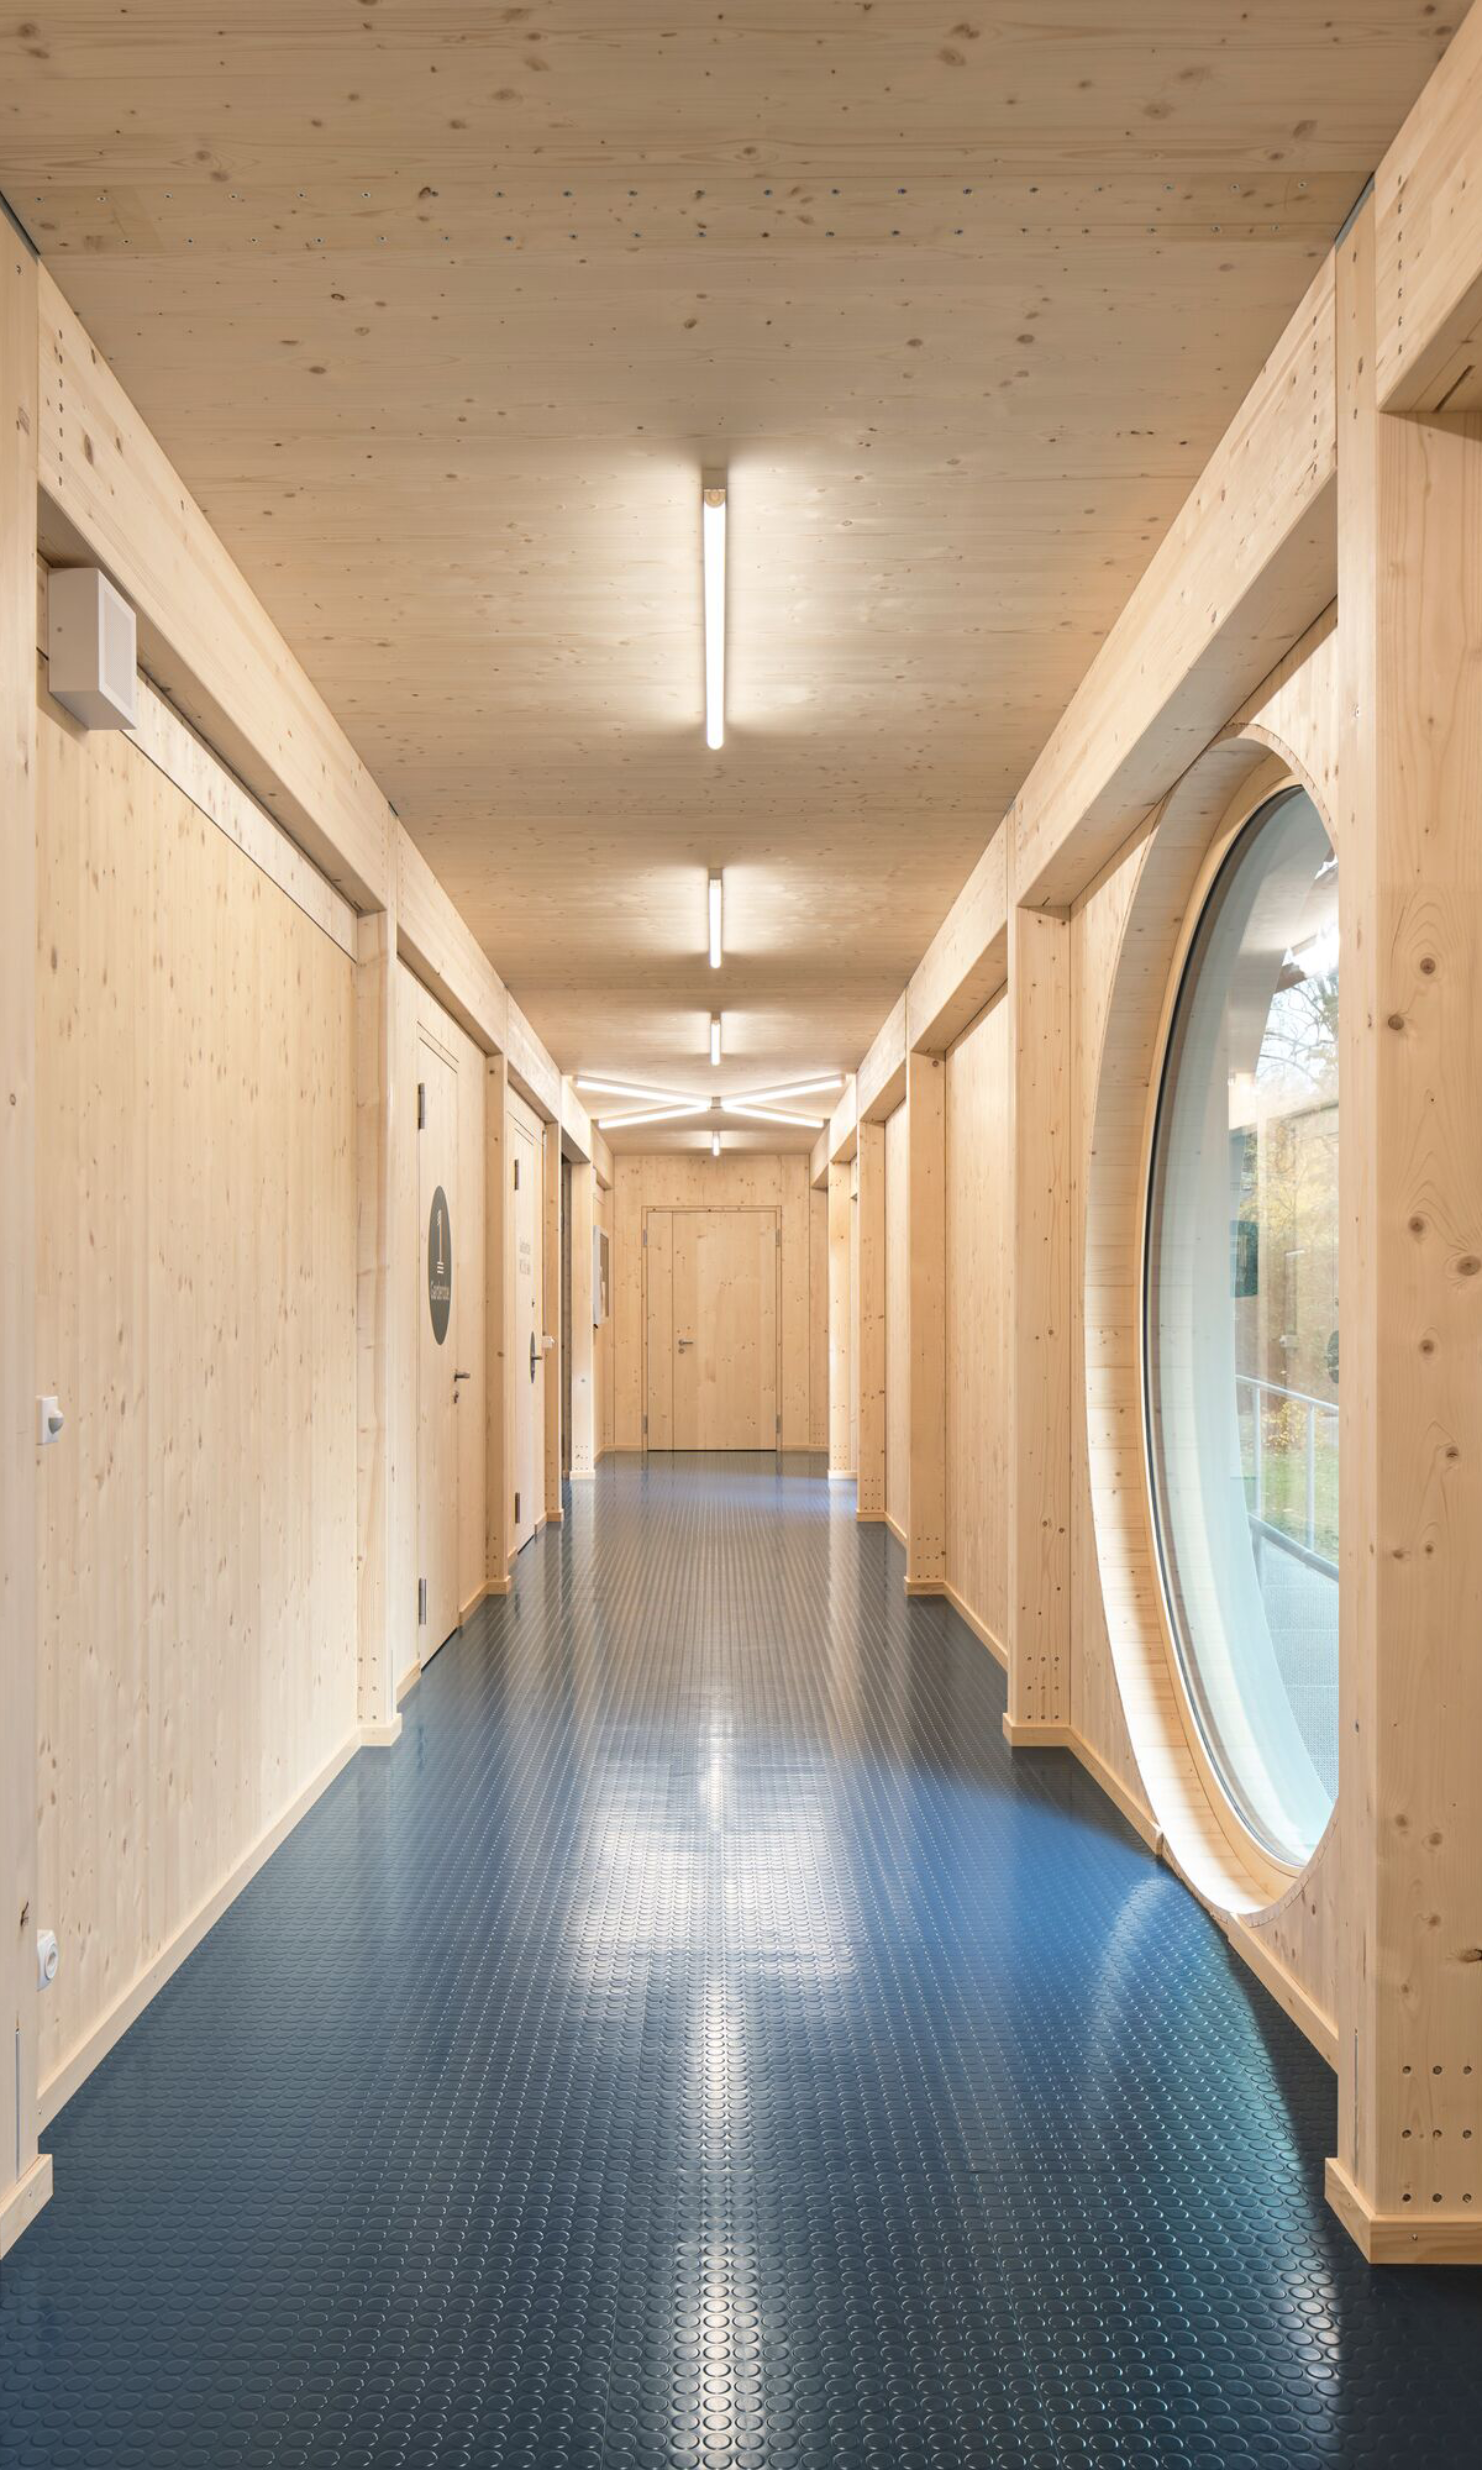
697,2043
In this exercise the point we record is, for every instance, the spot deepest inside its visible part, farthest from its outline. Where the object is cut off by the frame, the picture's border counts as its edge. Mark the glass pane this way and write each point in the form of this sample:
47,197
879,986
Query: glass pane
1242,1325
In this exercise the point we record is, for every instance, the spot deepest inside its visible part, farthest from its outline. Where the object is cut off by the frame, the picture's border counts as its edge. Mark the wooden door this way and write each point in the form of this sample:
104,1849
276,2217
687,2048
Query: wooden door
437,1322
712,1288
527,1373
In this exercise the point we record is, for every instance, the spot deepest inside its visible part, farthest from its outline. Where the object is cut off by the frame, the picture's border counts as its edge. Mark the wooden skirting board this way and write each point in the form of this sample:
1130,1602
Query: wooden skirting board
1400,2238
58,2089
980,1630
24,2201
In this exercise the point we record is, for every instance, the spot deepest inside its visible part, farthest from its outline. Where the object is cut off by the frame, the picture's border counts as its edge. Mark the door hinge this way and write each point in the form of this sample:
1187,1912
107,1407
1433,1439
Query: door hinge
645,1426
645,1239
778,1233
517,1509
421,1106
517,1174
421,1603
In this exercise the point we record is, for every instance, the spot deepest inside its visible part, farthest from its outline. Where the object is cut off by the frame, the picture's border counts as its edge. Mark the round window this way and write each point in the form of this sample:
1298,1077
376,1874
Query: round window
1241,1310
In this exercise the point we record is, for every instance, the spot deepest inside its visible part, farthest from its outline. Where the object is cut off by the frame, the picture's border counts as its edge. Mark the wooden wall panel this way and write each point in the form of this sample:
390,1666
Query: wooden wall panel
471,1267
196,1311
898,1320
817,1320
745,1179
25,2180
979,1271
583,1369
603,1352
840,1301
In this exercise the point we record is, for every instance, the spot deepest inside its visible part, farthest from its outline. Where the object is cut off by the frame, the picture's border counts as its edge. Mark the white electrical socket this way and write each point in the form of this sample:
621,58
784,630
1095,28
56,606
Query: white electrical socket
49,1422
48,1958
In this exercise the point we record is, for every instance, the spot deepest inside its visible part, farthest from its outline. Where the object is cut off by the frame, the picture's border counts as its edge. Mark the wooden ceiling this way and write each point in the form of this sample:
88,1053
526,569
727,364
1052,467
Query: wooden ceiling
441,308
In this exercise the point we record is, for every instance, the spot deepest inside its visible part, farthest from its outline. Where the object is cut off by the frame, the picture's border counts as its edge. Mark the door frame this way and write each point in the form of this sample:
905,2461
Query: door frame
521,1117
710,1209
429,1644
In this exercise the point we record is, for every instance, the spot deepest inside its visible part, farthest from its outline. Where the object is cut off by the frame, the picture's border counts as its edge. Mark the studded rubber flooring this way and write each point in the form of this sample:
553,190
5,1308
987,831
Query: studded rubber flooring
697,2043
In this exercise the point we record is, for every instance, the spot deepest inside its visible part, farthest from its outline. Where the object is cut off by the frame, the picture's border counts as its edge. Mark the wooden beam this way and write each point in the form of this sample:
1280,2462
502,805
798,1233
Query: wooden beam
580,1135
880,1083
1428,238
445,953
25,2177
840,1334
1040,1352
870,1333
1249,563
967,960
839,1132
111,495
1407,2176
926,1137
531,1070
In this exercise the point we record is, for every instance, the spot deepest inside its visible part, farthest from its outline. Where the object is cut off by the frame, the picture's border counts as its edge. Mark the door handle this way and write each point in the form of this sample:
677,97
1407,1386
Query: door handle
461,1376
684,1342
534,1355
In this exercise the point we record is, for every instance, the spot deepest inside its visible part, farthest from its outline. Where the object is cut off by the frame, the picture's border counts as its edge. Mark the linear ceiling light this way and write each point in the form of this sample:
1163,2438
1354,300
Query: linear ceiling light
632,1089
713,540
715,1037
798,1089
770,1115
716,905
715,1144
659,1115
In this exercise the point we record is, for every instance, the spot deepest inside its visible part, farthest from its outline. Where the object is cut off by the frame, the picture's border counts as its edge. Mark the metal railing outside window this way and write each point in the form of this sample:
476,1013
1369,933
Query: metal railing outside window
1309,1533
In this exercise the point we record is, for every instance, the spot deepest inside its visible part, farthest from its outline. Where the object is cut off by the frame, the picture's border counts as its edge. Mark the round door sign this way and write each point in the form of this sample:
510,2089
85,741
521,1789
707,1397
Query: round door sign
439,1265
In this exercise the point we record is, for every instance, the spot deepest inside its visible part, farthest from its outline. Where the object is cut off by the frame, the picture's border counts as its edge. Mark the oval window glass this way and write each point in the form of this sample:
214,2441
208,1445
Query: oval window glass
1241,1311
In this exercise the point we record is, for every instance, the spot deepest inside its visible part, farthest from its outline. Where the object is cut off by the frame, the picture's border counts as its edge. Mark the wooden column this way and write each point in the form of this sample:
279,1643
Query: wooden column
870,1333
926,1133
381,1618
1041,1372
1407,2177
583,1335
840,1334
496,1322
551,1289
25,2176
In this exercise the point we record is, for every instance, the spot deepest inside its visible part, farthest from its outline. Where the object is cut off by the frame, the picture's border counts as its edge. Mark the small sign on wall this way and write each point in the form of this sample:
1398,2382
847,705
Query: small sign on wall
439,1265
601,1299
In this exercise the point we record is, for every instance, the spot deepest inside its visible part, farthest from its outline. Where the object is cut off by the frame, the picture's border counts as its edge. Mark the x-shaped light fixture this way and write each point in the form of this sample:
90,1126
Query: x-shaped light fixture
667,1106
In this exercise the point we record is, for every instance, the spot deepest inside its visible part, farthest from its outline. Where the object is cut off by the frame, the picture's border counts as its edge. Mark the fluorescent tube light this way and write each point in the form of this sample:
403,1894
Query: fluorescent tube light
713,541
715,1144
716,900
770,1115
797,1089
715,1037
660,1115
632,1089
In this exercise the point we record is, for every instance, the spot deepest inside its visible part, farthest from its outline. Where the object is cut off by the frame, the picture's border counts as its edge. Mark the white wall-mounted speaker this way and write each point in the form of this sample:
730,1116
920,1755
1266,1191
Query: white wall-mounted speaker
92,652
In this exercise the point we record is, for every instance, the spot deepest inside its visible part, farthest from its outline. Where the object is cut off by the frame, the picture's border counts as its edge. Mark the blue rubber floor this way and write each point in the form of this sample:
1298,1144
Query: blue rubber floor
697,2043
